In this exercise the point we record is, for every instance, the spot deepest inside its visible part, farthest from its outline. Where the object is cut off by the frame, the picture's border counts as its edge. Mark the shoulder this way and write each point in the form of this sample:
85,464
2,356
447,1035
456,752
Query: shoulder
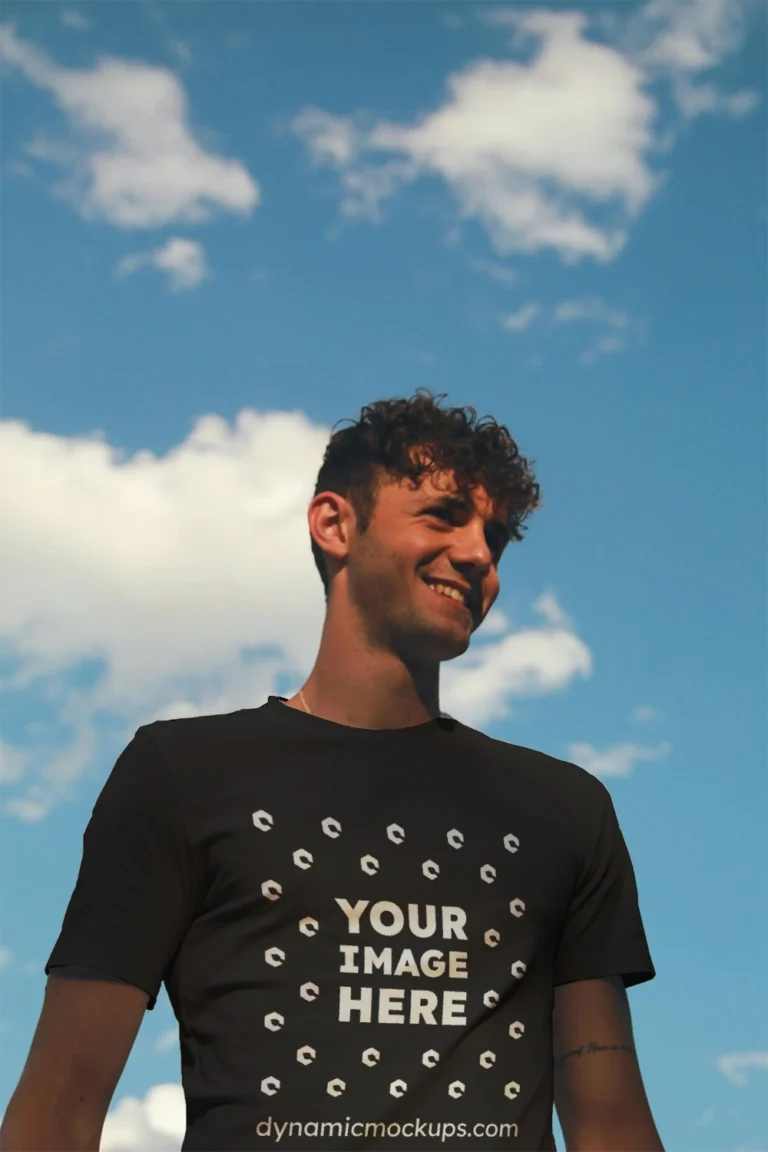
561,780
197,732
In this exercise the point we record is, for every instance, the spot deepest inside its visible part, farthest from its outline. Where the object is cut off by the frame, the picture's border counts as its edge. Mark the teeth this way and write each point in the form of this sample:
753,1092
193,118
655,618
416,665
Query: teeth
446,590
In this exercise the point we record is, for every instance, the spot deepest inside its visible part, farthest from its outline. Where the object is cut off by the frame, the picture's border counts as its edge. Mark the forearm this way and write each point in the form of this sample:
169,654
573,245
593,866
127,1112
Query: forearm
30,1126
616,1136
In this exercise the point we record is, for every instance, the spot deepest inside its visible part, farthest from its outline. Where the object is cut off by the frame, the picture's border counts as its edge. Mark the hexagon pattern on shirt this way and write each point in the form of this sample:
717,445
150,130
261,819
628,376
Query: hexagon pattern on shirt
401,1004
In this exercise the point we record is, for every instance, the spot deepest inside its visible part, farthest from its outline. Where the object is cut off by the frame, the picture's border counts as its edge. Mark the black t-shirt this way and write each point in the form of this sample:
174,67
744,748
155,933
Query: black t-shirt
359,930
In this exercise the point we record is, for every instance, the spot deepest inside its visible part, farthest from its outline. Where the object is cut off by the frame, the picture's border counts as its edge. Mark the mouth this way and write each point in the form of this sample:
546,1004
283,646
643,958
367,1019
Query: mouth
448,592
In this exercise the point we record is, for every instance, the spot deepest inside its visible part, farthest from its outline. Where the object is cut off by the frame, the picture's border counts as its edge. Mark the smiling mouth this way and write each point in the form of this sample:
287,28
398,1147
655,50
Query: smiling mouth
448,593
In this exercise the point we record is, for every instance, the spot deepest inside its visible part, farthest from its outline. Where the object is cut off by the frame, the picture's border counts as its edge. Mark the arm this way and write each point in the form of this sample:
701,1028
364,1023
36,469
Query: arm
599,1093
83,1038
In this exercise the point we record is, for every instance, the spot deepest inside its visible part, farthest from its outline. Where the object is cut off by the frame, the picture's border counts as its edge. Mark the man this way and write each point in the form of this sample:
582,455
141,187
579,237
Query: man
378,927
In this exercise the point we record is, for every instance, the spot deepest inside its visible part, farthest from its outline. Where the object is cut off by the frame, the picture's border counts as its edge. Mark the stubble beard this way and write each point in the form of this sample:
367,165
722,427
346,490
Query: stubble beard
391,618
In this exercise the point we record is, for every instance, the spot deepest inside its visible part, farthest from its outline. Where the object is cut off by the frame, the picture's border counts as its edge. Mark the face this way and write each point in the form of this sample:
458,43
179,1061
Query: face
425,573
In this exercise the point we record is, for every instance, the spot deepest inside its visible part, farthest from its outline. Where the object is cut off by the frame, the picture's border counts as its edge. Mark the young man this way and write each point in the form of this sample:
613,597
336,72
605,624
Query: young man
378,927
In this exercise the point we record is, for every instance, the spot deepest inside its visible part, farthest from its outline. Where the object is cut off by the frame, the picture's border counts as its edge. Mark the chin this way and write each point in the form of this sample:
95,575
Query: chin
437,649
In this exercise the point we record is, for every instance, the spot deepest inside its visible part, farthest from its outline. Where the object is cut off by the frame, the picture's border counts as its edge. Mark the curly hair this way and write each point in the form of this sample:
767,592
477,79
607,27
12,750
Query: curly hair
382,442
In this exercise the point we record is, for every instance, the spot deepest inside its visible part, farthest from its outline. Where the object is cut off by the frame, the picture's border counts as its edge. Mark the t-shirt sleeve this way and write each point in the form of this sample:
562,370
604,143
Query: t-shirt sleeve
603,932
137,886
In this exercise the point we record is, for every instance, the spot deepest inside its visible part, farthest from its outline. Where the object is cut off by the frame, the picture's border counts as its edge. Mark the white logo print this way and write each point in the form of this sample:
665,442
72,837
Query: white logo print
511,843
262,820
456,1089
511,1090
378,959
335,1087
271,889
270,1085
398,1088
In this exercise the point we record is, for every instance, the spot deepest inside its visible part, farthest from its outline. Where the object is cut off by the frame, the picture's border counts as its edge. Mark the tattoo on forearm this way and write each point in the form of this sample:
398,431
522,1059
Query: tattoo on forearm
593,1046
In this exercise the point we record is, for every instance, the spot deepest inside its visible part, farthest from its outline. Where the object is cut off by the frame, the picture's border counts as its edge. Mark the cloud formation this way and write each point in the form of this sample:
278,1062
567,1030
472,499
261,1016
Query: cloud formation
552,149
734,1065
155,1123
521,319
182,260
131,157
684,40
618,760
645,713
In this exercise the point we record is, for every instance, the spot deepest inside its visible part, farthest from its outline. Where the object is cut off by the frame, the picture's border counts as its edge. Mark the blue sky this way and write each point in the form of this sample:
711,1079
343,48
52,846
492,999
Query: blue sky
227,226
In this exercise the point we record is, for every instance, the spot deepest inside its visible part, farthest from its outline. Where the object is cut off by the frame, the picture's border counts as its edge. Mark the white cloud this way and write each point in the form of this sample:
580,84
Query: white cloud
590,308
6,956
73,19
180,49
13,762
531,662
133,159
495,623
529,147
521,319
155,1123
329,139
679,39
182,260
167,1040
619,760
605,346
706,1118
113,558
552,148
548,607
593,310
644,714
500,273
733,1065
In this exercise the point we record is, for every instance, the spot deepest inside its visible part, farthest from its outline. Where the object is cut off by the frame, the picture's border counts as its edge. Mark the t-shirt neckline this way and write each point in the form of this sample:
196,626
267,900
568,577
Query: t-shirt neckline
304,721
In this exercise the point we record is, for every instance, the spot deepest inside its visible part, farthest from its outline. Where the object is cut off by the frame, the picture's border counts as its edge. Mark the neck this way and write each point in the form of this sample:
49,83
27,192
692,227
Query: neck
360,685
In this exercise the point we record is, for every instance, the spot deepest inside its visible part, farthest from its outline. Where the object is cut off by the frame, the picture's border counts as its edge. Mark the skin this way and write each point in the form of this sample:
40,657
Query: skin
385,632
384,638
82,1041
599,1092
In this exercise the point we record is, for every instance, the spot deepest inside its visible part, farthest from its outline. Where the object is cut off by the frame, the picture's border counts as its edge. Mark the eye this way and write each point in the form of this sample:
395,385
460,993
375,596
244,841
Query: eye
440,513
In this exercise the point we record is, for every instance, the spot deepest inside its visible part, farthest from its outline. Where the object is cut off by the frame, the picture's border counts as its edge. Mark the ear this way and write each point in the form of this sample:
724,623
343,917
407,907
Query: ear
332,524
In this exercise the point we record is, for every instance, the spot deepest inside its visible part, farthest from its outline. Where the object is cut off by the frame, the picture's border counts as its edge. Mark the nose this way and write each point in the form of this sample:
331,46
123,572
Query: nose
471,550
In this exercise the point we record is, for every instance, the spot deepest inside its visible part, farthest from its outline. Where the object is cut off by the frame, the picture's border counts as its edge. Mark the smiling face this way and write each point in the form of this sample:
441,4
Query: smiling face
424,574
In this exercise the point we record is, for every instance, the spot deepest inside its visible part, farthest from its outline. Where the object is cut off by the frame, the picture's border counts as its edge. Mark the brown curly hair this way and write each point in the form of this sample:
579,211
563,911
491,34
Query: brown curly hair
383,440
